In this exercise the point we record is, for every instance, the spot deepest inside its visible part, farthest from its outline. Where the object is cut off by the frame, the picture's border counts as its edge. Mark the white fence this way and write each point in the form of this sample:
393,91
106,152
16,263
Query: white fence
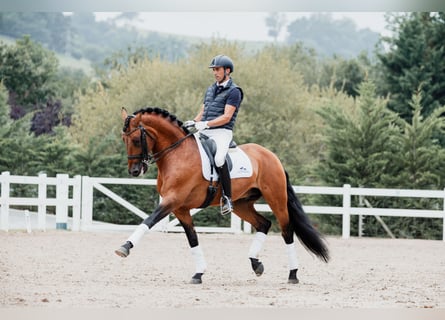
167,225
82,190
61,202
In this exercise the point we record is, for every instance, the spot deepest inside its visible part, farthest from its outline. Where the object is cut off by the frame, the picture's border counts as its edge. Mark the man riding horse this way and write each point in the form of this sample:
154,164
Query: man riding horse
216,120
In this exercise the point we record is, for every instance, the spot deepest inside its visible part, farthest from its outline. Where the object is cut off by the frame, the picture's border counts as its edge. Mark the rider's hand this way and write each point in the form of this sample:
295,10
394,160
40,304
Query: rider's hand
201,125
189,124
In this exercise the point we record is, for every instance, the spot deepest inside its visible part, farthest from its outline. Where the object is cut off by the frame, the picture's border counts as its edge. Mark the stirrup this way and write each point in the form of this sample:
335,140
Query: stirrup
226,205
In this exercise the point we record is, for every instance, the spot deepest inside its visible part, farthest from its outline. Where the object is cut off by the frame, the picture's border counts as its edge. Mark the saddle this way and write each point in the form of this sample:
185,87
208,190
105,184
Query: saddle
209,146
237,161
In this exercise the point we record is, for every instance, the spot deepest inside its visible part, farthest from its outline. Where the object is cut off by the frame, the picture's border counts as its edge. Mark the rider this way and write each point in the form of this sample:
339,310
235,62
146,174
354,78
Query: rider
216,120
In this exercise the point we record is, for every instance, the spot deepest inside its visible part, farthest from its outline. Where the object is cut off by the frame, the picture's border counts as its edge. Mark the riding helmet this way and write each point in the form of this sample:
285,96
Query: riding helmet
222,61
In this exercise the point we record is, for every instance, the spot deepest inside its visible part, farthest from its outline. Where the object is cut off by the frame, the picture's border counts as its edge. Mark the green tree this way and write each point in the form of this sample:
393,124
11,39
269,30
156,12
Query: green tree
344,75
48,28
4,107
27,70
359,147
421,158
305,61
419,165
415,59
374,147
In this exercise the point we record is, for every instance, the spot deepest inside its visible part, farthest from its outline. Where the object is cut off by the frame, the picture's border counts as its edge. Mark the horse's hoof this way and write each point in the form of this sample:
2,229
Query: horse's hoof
259,270
293,277
257,266
196,279
122,252
293,281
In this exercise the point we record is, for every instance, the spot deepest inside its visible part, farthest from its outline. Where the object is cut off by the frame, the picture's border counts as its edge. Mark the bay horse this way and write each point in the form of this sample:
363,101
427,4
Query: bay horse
153,135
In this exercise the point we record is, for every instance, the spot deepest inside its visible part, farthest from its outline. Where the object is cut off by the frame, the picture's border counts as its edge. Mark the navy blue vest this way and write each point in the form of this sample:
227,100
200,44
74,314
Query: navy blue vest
214,103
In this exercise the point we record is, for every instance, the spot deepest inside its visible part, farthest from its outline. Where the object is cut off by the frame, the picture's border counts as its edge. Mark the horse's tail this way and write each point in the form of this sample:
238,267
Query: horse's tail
302,226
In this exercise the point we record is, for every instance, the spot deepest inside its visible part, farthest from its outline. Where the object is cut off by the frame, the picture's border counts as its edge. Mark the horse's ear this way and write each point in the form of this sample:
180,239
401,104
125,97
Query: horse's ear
124,113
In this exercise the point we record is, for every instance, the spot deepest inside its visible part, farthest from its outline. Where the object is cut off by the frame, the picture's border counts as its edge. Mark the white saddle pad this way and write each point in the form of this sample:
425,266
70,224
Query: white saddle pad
241,165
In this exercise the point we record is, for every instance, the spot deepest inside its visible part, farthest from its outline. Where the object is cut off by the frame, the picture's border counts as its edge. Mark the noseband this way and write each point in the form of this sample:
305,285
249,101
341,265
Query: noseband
146,156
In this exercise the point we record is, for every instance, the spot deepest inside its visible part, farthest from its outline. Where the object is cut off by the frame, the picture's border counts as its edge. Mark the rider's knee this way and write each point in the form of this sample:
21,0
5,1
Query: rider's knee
219,161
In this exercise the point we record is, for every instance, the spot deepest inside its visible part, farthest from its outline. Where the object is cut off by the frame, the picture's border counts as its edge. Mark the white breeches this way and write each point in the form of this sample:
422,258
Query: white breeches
222,138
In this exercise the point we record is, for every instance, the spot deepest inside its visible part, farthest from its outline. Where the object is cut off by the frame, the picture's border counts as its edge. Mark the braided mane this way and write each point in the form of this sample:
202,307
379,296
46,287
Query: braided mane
164,113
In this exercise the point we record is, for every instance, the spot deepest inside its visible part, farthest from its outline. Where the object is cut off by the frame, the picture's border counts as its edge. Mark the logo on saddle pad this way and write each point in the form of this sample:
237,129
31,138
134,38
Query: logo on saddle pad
238,161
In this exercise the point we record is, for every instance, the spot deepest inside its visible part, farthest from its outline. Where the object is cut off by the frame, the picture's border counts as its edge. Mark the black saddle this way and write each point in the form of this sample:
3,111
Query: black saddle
209,146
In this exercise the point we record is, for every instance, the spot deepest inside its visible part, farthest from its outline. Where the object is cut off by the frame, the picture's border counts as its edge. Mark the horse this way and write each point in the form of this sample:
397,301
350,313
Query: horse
155,136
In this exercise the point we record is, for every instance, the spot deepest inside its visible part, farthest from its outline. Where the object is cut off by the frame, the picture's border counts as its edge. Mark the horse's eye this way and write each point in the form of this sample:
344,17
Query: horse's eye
136,143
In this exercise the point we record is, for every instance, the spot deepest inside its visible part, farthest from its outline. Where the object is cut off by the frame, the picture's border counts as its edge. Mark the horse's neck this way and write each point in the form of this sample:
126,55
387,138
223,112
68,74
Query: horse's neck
184,157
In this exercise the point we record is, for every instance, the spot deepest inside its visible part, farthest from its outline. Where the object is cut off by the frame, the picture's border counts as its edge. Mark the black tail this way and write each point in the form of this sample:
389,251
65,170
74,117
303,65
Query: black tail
302,226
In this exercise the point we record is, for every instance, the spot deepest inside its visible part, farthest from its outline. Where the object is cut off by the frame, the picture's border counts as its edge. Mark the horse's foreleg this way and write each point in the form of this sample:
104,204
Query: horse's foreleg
158,214
195,249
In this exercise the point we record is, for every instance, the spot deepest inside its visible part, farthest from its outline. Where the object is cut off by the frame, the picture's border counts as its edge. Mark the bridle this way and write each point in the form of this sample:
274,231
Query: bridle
146,156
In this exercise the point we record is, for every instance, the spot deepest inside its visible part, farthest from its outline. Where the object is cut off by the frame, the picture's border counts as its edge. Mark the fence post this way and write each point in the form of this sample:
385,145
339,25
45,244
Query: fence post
41,207
62,201
87,202
247,227
235,223
4,201
77,198
346,221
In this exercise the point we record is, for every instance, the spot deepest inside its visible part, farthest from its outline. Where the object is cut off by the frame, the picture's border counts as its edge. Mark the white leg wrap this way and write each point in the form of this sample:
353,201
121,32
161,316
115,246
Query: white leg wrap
292,256
257,245
138,233
198,257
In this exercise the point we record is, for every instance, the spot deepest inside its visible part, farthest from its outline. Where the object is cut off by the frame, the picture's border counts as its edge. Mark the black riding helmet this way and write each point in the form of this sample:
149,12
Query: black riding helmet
222,61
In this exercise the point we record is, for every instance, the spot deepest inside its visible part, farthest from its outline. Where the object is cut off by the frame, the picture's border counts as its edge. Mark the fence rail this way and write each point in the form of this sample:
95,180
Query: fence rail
81,189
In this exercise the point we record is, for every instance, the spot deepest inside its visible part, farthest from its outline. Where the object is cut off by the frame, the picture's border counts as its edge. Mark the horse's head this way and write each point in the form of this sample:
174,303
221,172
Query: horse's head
136,140
148,135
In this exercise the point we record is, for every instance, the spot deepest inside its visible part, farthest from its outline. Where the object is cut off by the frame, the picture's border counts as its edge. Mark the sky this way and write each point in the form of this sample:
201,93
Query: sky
236,25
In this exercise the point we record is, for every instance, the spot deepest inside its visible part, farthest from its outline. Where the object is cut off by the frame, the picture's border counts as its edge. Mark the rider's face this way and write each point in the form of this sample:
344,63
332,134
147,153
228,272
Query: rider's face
218,73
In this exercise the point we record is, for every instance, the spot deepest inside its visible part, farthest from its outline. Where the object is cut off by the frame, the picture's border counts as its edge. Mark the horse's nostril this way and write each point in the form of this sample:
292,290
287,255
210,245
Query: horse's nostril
134,171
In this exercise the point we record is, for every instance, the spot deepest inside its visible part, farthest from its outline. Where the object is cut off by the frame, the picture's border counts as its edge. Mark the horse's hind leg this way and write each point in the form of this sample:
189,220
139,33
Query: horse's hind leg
246,211
276,197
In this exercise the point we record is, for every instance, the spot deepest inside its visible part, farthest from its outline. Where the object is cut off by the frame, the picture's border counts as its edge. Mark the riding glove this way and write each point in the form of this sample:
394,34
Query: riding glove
201,125
198,126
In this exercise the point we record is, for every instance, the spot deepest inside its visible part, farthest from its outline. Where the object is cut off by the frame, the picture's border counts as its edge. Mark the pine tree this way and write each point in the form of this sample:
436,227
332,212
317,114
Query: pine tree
419,165
421,158
416,58
359,146
374,147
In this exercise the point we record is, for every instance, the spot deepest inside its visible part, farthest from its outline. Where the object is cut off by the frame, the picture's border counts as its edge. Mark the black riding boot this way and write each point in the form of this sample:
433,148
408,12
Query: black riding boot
224,178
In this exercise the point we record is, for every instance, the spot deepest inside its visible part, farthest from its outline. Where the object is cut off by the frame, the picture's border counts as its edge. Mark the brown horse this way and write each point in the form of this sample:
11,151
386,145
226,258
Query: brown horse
153,135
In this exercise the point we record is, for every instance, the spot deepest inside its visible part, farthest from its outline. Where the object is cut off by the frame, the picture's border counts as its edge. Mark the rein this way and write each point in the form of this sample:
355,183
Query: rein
145,156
